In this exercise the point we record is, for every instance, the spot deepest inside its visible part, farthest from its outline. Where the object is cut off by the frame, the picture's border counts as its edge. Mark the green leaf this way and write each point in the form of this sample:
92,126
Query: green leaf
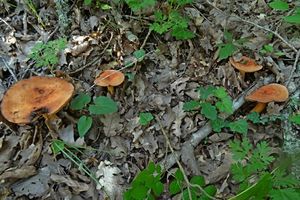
284,194
218,124
158,188
239,126
240,149
211,190
226,50
87,2
254,117
139,192
257,190
83,125
139,54
179,175
198,180
182,33
295,119
145,118
294,19
209,111
205,92
279,5
225,105
137,5
185,195
191,105
57,146
103,105
220,93
80,101
174,187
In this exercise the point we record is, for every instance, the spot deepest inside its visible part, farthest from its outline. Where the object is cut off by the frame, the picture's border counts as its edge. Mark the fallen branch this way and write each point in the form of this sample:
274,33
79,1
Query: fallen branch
203,132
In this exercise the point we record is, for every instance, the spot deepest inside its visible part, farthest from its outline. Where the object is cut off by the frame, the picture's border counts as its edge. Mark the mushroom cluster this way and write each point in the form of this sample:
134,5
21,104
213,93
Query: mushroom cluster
31,98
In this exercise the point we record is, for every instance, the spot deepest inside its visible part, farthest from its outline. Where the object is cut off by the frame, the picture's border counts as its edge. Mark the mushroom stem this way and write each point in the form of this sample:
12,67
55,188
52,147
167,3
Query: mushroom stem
242,74
110,89
259,107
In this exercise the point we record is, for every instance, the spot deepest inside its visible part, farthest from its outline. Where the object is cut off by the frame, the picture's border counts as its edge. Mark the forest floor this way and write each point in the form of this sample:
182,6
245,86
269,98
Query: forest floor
98,156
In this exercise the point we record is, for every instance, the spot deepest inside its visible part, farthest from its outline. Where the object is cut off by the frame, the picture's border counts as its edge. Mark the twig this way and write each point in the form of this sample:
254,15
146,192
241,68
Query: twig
180,166
293,69
7,24
203,132
146,38
10,71
258,26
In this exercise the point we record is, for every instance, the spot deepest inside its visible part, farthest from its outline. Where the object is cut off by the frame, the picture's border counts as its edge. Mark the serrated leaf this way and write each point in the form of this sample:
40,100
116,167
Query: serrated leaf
217,124
191,105
226,50
83,125
205,92
80,101
294,19
284,194
103,105
254,117
145,118
239,126
240,150
279,5
220,92
225,105
209,111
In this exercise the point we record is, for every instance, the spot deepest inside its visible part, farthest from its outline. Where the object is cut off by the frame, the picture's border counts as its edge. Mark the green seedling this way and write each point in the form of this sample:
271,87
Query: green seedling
138,5
145,118
215,104
283,6
254,164
101,105
46,54
268,49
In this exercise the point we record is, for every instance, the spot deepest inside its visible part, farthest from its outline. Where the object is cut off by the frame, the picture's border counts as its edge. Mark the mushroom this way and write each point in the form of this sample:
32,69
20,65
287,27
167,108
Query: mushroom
245,65
268,93
30,98
110,79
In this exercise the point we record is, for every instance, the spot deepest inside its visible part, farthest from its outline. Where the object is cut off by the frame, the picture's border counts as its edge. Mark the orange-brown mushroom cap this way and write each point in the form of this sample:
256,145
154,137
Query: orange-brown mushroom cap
245,64
268,93
110,78
30,98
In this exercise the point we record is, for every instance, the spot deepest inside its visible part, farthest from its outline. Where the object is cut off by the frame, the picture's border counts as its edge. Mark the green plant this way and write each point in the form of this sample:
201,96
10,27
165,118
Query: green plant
46,54
269,50
146,185
59,146
215,104
199,190
228,47
252,164
145,118
137,5
293,18
101,105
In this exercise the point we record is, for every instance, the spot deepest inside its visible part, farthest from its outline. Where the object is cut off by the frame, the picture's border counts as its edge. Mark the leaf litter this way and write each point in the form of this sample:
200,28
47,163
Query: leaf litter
163,81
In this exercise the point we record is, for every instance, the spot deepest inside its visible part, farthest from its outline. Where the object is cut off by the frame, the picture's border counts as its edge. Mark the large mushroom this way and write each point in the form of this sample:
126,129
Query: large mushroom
245,65
30,98
110,78
268,93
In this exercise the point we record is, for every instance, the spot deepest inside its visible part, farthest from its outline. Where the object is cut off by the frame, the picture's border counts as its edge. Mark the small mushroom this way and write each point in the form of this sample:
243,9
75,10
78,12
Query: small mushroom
110,79
30,98
268,93
245,65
